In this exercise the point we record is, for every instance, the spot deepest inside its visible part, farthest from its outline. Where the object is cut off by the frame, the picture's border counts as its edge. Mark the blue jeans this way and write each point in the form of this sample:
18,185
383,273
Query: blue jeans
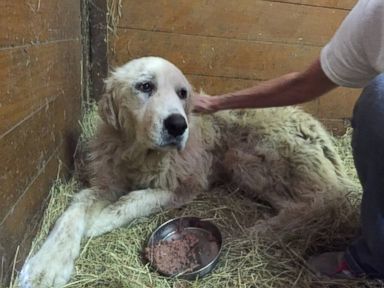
366,254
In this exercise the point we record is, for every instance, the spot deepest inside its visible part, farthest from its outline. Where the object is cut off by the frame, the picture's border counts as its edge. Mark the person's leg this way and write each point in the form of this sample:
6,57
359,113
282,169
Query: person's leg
365,256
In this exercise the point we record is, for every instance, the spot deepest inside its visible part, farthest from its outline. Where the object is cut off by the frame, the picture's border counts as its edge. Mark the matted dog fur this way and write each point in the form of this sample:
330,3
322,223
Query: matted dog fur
150,153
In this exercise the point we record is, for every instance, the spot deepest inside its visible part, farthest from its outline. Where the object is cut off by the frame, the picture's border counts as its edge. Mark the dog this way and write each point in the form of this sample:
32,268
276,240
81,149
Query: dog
150,152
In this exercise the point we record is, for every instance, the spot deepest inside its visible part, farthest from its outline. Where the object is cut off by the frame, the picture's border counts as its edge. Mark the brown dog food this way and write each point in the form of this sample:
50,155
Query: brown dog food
175,256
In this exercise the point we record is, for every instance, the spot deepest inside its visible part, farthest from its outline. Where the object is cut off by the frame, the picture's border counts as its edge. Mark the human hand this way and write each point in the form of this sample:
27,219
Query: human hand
203,103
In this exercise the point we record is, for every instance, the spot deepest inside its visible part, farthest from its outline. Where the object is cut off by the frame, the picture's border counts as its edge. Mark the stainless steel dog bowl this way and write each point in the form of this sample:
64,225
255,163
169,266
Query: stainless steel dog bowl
208,247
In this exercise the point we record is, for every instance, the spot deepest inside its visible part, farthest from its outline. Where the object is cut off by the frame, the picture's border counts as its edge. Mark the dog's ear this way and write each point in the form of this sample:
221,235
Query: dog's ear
108,110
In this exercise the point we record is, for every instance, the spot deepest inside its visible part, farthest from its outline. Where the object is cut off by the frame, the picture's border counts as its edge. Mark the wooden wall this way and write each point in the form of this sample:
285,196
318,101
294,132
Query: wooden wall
40,104
226,45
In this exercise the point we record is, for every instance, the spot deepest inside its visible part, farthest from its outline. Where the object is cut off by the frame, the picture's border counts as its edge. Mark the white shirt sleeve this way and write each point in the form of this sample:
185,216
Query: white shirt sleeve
355,54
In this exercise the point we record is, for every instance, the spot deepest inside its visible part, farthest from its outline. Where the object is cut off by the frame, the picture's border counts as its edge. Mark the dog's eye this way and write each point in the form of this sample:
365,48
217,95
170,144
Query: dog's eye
182,93
146,87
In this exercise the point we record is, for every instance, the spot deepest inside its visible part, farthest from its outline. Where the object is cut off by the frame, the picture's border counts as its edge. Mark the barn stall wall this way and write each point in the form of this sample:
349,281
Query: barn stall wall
40,104
226,45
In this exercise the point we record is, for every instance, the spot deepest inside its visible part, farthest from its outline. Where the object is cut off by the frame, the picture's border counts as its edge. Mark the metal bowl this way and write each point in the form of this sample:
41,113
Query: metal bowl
208,246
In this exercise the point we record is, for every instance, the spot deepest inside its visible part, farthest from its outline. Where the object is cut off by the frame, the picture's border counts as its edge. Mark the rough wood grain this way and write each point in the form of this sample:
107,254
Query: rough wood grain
98,46
26,150
40,95
338,104
30,77
210,56
18,228
340,4
247,20
36,21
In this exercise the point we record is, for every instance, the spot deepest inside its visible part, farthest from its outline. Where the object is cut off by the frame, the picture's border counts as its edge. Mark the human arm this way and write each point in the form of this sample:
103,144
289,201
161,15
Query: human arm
289,89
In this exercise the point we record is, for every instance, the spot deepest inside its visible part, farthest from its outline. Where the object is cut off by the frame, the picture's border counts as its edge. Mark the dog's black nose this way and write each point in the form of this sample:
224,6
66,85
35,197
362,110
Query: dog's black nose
175,124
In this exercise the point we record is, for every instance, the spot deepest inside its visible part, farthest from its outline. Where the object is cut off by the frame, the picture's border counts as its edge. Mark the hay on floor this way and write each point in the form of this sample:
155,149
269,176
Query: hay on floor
115,259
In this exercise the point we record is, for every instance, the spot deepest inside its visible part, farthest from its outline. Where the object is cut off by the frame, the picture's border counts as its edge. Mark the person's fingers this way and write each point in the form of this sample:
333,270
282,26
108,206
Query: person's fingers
197,101
199,106
201,103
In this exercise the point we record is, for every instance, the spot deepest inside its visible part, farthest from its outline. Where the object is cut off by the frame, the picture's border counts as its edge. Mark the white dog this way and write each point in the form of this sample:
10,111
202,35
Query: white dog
151,153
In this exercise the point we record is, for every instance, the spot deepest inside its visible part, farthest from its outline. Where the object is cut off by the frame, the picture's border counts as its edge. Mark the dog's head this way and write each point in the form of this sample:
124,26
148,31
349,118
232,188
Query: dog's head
149,99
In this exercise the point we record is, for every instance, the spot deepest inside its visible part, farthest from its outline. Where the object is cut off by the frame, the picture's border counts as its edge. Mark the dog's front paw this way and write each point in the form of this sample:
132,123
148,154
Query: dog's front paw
46,270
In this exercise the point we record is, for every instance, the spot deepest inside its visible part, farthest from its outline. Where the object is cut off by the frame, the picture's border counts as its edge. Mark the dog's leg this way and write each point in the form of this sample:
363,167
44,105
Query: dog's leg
88,215
53,264
136,204
288,220
304,218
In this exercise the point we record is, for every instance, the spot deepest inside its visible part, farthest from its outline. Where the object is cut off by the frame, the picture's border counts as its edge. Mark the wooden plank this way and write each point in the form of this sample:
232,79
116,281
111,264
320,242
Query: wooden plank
19,226
340,4
218,85
31,76
210,56
86,48
40,94
99,46
34,21
24,151
338,104
336,127
247,20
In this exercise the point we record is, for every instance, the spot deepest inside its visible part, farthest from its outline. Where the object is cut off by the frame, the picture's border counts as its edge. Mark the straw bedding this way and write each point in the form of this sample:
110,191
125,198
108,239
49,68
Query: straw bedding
116,259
